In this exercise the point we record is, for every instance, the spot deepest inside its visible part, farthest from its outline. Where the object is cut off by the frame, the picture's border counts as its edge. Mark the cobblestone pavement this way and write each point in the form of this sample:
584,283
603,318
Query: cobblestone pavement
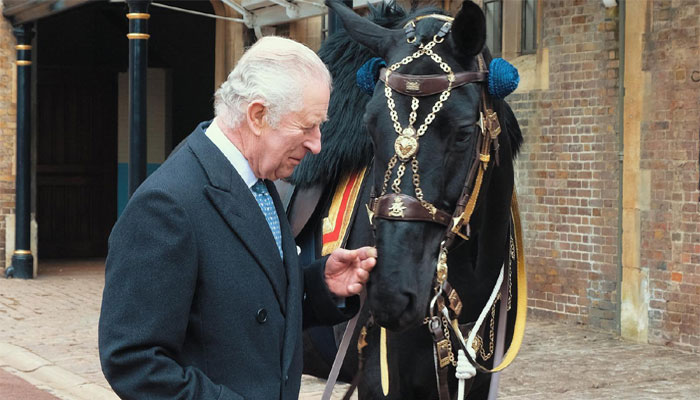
51,322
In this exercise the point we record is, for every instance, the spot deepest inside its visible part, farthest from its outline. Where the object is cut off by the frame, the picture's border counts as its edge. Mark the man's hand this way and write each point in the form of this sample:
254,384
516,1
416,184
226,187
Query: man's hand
348,270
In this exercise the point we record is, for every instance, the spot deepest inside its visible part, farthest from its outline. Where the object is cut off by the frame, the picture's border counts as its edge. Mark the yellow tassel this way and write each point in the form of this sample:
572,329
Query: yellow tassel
384,366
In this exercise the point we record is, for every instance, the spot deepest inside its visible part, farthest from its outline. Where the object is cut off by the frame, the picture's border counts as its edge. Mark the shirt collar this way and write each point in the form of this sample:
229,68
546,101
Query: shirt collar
231,152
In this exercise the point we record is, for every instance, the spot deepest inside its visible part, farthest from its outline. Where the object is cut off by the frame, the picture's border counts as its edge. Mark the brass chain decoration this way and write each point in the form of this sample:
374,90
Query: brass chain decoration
406,144
406,148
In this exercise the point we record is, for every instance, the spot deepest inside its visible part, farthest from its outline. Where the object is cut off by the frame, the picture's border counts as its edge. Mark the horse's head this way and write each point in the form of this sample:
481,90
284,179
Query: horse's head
425,154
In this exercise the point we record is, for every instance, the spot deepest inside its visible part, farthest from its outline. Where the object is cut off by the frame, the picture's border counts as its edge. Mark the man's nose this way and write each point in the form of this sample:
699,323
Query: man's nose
314,141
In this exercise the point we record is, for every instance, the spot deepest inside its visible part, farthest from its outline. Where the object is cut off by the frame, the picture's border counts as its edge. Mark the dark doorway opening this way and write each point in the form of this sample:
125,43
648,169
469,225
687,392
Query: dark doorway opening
80,54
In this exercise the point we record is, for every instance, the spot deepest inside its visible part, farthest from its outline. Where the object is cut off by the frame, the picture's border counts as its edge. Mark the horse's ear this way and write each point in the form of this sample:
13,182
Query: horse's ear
469,29
376,38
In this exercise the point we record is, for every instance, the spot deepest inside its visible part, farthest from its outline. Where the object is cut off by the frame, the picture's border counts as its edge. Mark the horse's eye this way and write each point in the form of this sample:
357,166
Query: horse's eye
465,132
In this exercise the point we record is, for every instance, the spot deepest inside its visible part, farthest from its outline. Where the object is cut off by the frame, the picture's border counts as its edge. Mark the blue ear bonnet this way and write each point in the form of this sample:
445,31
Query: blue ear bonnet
368,74
503,77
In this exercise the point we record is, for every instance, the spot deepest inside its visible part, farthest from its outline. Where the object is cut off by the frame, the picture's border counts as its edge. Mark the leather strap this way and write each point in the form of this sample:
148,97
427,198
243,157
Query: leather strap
355,380
441,357
426,85
412,210
303,206
500,331
342,350
443,388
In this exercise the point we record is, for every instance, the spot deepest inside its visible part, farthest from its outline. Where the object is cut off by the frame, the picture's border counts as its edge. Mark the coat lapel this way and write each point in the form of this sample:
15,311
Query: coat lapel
233,200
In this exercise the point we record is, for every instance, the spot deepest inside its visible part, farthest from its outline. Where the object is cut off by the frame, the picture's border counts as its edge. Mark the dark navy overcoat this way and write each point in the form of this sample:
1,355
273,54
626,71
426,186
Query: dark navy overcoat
197,302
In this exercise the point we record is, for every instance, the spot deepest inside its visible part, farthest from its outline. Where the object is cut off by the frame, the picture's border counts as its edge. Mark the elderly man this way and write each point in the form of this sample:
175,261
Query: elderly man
204,296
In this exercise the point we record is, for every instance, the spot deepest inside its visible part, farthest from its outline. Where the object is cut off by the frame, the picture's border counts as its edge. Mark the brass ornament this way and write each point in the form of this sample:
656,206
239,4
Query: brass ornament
406,146
455,302
370,214
408,132
441,273
397,208
413,86
444,351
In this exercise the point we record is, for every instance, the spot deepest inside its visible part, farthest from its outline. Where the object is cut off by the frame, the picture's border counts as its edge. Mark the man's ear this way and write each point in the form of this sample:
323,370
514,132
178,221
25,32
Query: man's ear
255,115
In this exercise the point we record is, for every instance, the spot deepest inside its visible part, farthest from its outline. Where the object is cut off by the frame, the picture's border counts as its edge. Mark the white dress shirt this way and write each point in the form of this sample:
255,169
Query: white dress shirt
232,154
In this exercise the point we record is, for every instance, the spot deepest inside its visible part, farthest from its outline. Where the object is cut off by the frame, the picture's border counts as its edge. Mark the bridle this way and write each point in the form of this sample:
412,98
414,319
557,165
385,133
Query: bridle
396,206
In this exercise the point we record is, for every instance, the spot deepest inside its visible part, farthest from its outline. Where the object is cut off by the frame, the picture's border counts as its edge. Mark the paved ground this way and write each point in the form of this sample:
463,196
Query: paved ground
48,338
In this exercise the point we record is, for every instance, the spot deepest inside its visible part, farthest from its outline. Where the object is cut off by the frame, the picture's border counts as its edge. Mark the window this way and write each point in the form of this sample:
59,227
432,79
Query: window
494,25
529,27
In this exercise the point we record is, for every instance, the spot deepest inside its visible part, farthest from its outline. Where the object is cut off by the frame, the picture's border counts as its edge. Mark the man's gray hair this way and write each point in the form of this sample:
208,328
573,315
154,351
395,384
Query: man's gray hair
274,70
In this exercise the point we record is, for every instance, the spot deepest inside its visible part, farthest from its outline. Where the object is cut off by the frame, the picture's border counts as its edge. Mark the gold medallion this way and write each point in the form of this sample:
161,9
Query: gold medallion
405,146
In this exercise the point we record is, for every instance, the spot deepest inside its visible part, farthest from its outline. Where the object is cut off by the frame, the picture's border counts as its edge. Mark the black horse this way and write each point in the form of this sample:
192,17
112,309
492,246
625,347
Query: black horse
453,204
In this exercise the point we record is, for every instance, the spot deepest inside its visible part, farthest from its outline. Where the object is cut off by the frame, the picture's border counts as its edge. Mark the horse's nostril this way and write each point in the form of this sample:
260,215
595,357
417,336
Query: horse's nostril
410,303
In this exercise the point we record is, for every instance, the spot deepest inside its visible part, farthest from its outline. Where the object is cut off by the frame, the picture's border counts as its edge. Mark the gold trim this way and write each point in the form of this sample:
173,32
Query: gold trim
138,16
23,47
332,220
22,252
23,63
138,35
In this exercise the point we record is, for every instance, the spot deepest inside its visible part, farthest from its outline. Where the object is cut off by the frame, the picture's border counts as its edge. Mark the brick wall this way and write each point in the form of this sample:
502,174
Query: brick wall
8,108
670,229
568,172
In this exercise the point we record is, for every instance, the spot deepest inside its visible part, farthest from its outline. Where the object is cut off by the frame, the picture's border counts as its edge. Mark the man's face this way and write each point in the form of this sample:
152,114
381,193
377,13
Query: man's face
281,149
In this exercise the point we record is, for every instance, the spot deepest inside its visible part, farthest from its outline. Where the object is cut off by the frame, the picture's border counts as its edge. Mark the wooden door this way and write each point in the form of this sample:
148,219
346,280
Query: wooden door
76,161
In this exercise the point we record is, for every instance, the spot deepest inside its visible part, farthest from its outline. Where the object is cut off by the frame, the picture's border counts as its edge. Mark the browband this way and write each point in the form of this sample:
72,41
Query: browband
426,85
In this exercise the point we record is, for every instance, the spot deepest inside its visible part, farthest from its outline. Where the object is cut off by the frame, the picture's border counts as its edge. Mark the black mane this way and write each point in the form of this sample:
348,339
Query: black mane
346,145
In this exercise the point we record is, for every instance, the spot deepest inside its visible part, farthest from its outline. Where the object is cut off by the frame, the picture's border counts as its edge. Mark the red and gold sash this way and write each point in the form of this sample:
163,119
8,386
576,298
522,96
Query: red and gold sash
336,224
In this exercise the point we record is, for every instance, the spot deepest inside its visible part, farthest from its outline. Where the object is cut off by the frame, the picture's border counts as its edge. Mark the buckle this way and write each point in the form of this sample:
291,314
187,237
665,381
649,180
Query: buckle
443,351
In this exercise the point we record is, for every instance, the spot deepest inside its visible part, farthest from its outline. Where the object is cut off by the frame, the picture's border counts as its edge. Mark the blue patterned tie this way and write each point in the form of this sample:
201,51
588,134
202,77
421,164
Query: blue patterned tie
262,196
